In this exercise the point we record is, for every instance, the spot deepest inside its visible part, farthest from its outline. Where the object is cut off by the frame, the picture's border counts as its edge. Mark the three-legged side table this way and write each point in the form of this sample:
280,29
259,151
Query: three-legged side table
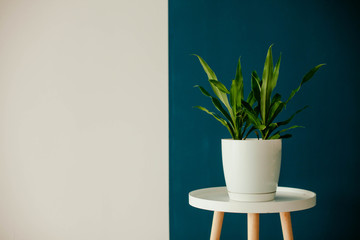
286,200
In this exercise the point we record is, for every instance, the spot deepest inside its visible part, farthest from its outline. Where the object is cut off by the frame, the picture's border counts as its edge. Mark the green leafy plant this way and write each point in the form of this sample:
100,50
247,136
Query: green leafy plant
259,111
234,118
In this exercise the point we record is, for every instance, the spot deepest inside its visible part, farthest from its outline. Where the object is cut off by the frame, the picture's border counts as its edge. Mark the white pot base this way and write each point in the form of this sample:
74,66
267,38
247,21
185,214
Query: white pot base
252,197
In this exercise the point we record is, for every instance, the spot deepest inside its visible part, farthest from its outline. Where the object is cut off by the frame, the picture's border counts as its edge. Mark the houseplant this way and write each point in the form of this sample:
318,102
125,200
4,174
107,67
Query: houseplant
251,166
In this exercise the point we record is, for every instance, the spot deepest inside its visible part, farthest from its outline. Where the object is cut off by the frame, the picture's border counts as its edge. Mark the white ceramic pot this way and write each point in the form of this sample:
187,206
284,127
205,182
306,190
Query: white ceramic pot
251,168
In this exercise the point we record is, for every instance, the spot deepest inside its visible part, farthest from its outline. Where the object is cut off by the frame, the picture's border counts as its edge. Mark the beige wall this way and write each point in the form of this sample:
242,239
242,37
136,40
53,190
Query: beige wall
83,120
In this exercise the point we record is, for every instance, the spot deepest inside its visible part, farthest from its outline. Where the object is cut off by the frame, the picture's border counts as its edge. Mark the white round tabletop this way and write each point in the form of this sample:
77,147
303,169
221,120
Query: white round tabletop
286,200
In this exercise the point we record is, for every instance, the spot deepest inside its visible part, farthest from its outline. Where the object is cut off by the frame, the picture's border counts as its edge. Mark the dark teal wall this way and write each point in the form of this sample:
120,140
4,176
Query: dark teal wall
323,157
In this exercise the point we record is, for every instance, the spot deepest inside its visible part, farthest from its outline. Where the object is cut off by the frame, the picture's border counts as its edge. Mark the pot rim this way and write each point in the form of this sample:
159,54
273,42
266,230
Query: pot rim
251,139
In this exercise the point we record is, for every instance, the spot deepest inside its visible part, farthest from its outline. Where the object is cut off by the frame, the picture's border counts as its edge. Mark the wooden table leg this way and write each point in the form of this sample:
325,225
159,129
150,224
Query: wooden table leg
253,226
286,226
216,225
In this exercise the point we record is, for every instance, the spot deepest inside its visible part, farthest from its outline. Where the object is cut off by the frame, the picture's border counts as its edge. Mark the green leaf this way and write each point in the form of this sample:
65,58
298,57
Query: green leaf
257,110
218,106
275,136
216,103
256,76
305,79
292,116
265,87
275,110
275,75
273,125
278,133
260,127
211,75
276,98
222,121
209,72
251,130
255,86
292,127
248,107
246,124
233,96
239,83
203,91
252,115
271,128
251,98
311,73
219,86
252,118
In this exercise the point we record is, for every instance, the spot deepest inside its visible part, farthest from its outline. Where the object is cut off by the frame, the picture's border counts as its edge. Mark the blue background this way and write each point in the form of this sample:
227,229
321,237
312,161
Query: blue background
323,157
